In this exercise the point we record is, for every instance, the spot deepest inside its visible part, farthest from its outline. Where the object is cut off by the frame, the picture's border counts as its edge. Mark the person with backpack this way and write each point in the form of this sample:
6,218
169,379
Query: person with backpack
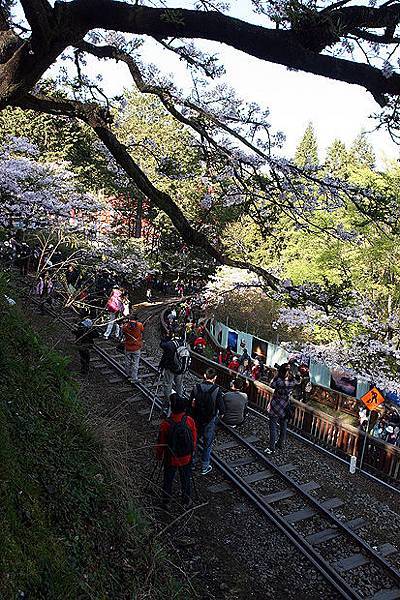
279,408
114,306
133,342
176,444
206,405
174,363
85,335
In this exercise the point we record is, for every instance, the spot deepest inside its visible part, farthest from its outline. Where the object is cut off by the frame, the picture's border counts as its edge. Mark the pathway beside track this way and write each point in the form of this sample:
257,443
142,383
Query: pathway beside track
346,574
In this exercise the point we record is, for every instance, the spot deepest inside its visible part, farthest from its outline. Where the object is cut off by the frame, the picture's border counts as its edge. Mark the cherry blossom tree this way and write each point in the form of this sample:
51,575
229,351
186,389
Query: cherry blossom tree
36,195
353,44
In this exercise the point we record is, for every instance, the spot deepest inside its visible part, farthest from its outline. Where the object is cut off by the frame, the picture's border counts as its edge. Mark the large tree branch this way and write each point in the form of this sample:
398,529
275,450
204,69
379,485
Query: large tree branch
39,15
277,46
96,118
168,99
72,20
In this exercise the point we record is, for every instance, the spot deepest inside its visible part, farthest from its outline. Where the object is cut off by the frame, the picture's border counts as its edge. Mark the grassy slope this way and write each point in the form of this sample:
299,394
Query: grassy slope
64,531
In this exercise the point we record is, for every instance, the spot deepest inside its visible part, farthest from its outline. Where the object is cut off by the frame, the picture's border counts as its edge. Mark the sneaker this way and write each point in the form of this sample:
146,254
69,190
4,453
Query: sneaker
268,451
206,470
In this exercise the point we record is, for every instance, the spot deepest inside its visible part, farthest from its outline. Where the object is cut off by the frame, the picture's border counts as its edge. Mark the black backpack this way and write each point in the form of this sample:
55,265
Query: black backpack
181,358
205,403
180,438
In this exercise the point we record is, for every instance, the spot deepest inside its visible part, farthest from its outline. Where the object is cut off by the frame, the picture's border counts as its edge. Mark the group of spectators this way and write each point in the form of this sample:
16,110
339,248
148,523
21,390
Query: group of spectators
157,283
384,425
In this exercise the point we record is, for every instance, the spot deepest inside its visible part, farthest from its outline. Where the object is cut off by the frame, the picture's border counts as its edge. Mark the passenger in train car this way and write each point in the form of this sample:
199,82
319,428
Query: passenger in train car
235,404
245,356
256,370
199,345
245,368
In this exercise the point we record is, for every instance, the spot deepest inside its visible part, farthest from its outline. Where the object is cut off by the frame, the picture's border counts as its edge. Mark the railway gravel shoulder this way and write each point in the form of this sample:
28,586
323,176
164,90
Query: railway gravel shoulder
311,587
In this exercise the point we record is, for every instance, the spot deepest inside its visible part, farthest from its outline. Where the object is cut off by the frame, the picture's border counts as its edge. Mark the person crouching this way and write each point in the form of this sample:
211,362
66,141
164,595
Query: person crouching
176,444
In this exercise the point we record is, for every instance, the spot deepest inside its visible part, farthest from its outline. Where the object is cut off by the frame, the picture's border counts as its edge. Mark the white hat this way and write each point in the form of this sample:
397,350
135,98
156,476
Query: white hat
389,429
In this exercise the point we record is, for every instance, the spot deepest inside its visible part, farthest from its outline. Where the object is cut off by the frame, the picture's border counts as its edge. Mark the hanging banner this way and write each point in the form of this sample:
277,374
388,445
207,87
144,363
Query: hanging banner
276,355
245,341
259,350
343,381
233,341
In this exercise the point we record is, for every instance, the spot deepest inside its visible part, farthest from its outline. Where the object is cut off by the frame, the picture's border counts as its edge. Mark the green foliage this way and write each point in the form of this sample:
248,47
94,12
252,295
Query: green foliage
307,150
65,532
362,153
337,161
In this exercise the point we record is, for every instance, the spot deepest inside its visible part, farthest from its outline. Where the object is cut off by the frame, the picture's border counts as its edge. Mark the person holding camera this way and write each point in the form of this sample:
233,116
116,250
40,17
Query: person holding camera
279,408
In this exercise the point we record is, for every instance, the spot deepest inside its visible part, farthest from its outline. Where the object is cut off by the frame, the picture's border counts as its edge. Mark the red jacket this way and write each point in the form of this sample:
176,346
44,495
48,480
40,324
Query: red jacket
162,448
133,332
200,341
234,365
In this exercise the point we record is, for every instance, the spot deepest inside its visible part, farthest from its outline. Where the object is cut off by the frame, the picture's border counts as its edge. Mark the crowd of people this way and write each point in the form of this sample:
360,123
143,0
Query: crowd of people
383,424
188,418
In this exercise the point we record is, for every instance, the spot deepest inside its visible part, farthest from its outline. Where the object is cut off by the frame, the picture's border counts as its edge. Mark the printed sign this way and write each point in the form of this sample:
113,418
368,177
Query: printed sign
373,398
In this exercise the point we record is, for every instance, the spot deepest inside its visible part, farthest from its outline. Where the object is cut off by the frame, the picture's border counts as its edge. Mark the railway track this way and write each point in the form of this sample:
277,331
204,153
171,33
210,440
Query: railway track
332,546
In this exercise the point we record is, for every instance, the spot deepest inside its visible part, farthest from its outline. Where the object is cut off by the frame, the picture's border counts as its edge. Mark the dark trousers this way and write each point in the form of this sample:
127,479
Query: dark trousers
84,355
273,426
185,475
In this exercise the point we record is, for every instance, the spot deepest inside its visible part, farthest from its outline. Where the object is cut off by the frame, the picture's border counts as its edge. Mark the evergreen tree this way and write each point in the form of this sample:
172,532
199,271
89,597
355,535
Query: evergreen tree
362,153
307,150
337,160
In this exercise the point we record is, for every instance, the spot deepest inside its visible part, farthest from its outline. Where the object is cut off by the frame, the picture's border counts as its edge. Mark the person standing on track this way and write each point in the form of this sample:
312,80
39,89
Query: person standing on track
173,365
114,307
133,340
279,407
206,405
84,339
175,446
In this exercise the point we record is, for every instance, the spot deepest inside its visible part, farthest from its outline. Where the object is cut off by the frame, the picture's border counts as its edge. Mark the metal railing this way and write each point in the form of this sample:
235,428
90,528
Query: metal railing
314,425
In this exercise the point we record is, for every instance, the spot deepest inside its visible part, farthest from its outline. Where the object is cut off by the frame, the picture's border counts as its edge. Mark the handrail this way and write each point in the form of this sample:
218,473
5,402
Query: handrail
313,424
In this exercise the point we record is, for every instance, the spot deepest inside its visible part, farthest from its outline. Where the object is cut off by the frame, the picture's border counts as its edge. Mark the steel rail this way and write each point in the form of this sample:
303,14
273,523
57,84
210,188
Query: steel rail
315,503
323,566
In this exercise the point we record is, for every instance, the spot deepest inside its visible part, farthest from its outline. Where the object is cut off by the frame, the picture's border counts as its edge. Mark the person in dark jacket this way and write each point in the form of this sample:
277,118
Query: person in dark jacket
85,335
171,378
279,406
172,463
235,404
206,404
245,356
